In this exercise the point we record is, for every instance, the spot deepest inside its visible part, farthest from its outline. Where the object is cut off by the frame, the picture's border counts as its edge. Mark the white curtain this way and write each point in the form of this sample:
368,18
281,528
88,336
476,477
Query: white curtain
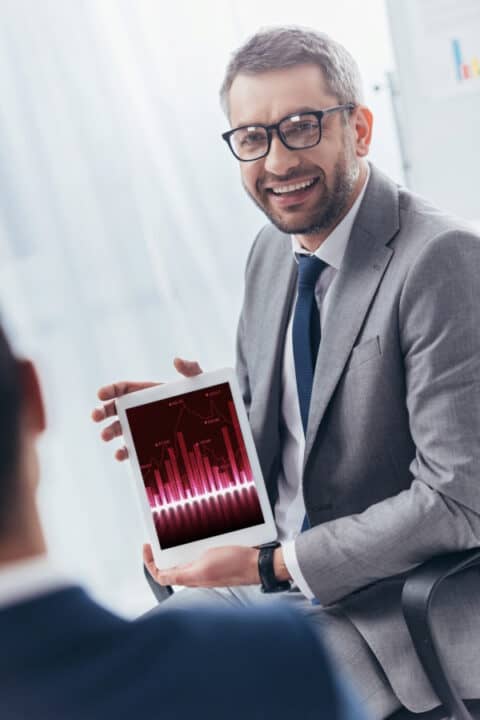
123,225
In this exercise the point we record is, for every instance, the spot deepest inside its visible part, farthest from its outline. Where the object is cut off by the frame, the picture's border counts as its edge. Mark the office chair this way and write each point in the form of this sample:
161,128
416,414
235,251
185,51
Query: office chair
418,596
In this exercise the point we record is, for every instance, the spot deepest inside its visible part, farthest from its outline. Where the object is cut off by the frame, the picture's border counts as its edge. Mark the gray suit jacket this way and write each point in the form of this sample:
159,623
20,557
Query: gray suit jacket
392,461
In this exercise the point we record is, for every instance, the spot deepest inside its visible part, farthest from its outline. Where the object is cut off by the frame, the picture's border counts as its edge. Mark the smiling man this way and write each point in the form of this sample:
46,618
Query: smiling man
359,360
301,193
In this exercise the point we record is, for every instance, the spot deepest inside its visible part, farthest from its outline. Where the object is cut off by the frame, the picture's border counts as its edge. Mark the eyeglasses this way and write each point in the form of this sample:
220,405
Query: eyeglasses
297,132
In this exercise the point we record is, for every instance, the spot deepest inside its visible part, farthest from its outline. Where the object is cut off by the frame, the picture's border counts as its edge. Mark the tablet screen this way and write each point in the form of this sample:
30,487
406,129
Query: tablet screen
194,465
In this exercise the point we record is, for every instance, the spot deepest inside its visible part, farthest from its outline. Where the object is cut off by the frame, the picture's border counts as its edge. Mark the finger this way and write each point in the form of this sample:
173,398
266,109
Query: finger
109,392
112,431
121,454
189,368
147,553
153,570
108,410
169,577
98,414
149,561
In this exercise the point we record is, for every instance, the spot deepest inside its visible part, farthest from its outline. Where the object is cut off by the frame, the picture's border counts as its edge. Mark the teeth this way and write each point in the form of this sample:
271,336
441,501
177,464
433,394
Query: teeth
291,188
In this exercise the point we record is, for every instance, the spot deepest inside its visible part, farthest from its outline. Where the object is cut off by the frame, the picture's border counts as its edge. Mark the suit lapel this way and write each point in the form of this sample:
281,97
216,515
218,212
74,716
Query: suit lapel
279,282
365,261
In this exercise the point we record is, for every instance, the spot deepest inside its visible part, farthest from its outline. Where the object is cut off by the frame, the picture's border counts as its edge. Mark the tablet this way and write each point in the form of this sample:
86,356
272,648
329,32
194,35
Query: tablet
195,467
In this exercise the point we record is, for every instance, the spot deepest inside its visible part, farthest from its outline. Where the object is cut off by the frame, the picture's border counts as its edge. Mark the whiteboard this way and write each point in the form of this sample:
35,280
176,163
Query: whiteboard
437,51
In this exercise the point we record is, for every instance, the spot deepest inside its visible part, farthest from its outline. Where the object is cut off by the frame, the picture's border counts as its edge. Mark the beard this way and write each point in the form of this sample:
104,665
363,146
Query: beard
330,208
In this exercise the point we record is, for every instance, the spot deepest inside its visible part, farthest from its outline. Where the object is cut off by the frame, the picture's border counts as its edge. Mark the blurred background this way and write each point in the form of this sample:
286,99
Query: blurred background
123,224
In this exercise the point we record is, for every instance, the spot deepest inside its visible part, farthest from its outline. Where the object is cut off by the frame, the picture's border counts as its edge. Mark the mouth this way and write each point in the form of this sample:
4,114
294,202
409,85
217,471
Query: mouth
293,192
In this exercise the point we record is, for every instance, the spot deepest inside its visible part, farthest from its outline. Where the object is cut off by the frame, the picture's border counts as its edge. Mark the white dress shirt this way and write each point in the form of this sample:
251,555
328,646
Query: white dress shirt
26,579
290,505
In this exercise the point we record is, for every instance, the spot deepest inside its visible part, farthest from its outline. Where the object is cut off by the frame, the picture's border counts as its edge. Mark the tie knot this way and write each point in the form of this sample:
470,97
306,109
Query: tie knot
309,269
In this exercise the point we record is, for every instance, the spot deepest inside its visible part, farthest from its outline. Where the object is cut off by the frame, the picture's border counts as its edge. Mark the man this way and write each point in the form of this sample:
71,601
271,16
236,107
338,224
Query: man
62,657
368,436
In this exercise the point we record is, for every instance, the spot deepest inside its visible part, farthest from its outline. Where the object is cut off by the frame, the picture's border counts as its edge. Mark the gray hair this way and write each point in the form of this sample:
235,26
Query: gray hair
282,47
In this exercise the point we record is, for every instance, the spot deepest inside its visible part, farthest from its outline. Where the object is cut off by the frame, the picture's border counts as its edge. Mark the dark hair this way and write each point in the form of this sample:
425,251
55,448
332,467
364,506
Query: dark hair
9,428
282,47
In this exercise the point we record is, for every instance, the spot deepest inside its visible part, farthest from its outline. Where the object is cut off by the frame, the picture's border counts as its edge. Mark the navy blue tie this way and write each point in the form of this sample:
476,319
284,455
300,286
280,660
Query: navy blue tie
306,335
306,330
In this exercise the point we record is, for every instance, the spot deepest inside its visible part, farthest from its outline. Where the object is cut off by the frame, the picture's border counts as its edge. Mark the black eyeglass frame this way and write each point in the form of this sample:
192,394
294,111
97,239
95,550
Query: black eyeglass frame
319,114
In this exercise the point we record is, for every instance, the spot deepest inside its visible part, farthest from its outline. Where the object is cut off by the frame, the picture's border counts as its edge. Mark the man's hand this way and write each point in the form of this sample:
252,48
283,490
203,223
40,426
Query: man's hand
218,567
108,393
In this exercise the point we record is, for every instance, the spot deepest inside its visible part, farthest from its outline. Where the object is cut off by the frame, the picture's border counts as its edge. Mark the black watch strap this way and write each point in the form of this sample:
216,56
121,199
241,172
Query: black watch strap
269,583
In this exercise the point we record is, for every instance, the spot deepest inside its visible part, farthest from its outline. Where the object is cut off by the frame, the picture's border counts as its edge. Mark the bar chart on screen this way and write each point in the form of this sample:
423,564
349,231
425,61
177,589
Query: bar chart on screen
195,466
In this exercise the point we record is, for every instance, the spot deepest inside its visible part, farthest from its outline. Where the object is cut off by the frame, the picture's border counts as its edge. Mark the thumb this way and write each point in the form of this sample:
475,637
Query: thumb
189,368
147,554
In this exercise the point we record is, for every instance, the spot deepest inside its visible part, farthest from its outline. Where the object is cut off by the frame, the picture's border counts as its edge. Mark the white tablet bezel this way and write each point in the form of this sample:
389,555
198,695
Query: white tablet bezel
252,536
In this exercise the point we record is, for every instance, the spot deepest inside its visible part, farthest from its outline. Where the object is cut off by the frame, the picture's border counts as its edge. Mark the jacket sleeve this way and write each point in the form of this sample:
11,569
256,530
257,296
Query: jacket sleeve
439,326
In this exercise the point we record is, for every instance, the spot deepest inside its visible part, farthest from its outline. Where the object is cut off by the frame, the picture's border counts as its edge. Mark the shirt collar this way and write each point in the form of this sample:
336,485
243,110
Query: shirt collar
26,579
332,250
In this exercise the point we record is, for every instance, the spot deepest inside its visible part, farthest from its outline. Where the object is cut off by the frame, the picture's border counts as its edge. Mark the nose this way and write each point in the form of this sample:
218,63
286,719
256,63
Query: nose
280,160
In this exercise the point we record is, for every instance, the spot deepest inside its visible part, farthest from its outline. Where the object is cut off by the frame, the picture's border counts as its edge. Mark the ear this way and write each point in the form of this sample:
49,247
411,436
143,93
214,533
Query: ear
362,124
33,408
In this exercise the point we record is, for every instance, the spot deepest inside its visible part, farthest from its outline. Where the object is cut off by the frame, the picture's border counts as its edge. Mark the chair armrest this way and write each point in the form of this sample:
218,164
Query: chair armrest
418,595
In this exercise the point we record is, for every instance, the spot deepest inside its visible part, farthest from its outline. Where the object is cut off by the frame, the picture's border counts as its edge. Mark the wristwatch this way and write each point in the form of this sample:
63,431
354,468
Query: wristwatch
269,583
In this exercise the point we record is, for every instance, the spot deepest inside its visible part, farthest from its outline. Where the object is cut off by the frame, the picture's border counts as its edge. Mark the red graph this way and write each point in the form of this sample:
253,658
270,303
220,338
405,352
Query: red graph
195,466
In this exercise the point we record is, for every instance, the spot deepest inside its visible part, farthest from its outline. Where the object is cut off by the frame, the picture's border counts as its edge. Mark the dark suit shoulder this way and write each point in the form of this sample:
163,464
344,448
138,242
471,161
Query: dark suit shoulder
74,659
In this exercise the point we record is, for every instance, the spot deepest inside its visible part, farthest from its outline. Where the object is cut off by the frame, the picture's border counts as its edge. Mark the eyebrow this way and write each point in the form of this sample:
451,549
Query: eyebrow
304,108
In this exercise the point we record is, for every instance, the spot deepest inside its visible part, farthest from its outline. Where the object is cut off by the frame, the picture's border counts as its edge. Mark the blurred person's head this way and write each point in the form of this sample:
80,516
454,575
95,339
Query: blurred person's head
22,419
313,167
